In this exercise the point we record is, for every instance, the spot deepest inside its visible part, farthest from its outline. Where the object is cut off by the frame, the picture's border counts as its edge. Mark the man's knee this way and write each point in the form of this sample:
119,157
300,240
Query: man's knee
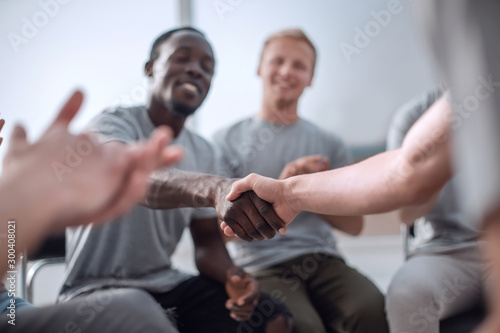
136,305
374,306
407,294
282,323
133,299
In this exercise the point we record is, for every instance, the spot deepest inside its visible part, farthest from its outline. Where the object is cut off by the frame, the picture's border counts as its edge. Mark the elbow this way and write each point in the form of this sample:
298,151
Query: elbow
416,188
417,180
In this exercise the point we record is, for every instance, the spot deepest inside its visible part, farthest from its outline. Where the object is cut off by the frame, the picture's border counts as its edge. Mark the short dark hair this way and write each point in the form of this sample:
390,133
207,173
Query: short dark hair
153,55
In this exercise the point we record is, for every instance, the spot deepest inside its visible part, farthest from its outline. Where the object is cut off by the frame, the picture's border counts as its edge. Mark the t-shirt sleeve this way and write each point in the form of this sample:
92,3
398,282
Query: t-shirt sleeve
108,127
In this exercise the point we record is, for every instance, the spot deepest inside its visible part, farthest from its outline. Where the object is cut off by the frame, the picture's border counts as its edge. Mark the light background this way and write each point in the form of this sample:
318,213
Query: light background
101,47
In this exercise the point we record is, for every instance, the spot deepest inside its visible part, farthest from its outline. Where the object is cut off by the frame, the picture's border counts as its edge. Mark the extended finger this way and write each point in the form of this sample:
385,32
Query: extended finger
227,230
171,155
162,154
263,223
69,110
250,297
247,213
18,138
128,197
238,230
272,219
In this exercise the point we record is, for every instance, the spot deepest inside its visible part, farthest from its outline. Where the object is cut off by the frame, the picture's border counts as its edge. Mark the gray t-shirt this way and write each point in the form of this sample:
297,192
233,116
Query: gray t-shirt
254,145
446,226
135,250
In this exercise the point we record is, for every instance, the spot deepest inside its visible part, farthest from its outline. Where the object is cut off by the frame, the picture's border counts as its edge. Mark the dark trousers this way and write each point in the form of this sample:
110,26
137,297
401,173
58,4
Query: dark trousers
325,295
198,306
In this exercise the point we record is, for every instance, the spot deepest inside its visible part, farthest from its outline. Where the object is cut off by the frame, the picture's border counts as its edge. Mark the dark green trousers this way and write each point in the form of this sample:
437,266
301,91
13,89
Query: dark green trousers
325,295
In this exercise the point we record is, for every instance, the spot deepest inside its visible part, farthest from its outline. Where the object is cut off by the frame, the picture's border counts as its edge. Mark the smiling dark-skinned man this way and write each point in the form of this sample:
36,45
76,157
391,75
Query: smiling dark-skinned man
135,250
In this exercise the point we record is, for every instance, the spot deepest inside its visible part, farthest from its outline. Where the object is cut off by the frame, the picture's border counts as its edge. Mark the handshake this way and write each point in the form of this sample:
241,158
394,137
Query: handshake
255,208
265,204
111,178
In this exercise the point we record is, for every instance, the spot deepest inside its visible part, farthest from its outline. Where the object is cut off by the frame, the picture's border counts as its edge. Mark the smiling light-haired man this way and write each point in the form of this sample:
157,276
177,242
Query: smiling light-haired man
303,267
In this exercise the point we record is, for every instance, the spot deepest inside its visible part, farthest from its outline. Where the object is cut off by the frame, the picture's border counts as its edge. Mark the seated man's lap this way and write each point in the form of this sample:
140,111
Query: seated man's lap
111,311
340,295
444,284
295,295
198,305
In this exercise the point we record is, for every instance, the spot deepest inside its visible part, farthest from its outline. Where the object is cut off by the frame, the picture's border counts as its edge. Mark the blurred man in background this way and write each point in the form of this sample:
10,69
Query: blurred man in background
443,275
304,267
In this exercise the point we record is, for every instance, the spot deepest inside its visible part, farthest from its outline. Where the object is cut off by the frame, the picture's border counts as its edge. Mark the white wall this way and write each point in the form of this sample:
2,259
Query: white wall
99,46
354,97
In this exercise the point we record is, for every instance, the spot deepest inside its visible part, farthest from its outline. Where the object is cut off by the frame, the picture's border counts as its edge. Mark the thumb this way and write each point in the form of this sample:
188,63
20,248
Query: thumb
235,274
239,187
252,291
18,138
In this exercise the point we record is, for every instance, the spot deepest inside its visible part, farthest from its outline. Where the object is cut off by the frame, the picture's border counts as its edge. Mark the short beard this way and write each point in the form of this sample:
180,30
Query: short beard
180,109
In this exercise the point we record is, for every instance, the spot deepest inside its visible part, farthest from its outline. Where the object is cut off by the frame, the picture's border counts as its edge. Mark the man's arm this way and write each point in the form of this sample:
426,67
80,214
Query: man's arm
317,163
384,182
174,189
401,123
409,214
213,261
410,175
211,256
105,183
170,188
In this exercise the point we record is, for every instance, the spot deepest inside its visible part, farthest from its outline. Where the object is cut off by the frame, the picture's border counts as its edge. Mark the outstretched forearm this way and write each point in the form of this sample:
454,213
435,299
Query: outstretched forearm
354,191
172,188
387,181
